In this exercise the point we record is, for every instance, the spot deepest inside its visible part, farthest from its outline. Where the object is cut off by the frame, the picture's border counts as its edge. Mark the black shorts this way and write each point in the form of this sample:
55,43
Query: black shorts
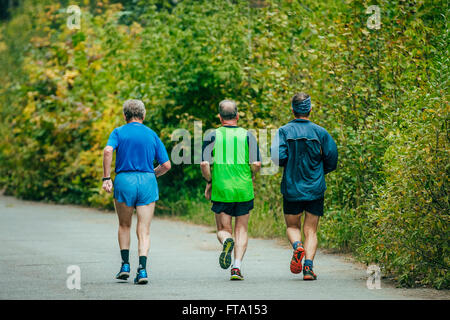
296,207
234,209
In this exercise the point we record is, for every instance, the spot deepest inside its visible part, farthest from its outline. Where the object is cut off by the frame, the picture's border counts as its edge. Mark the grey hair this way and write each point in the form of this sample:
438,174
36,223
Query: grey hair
133,108
228,109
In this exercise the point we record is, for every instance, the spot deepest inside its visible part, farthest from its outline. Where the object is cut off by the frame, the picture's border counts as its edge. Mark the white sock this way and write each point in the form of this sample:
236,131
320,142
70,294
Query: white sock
237,264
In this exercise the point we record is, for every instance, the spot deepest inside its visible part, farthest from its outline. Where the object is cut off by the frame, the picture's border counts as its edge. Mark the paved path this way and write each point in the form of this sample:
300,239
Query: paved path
39,241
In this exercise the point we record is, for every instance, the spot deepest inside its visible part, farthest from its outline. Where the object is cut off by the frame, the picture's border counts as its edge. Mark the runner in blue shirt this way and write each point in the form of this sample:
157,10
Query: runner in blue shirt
307,152
135,186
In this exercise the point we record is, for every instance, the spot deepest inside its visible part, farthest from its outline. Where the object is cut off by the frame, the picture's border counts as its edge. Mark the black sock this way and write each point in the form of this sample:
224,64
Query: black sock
125,256
142,262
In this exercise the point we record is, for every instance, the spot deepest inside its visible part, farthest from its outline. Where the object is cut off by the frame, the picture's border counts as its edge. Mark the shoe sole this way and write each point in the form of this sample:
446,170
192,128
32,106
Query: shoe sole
225,256
123,276
296,267
142,281
236,278
308,278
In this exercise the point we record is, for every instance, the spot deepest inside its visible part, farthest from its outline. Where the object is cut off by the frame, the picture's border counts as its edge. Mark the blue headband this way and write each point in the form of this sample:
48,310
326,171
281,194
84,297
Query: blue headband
302,107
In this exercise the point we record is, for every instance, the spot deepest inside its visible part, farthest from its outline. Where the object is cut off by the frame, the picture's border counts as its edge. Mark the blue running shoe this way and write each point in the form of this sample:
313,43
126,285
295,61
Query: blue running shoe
141,277
124,272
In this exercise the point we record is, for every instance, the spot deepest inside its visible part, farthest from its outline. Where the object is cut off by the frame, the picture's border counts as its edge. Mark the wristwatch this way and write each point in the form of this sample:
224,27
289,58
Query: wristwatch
107,178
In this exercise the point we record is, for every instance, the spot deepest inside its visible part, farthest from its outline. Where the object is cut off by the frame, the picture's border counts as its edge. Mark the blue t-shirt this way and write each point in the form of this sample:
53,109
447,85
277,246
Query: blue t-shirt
137,146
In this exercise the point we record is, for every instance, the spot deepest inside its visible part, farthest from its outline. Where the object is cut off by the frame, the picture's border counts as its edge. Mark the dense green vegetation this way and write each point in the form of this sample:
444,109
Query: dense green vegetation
381,93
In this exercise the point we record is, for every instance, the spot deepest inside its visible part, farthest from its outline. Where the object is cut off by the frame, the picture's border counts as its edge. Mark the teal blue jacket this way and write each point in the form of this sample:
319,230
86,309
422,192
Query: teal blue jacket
307,152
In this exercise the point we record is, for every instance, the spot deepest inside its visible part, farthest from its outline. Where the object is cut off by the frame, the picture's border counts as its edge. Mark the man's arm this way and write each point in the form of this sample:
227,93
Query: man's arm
207,158
163,168
206,170
255,167
107,160
206,173
162,158
279,149
330,154
254,154
113,142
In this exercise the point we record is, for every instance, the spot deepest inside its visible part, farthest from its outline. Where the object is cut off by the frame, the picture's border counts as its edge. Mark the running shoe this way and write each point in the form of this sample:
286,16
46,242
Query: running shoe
296,261
124,272
308,273
141,277
225,256
236,274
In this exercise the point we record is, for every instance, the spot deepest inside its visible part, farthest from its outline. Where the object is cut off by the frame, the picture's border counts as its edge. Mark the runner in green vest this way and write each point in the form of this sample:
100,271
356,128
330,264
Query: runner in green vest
232,153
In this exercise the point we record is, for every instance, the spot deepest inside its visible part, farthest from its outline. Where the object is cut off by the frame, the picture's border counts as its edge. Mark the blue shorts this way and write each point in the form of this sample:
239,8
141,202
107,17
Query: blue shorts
136,188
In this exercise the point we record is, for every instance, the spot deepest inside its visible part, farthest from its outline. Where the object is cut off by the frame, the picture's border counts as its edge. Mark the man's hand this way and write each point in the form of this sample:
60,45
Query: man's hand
107,186
255,167
208,190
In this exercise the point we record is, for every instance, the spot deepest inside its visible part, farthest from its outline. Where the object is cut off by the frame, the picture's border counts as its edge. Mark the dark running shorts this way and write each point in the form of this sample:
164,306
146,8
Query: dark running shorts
234,209
296,207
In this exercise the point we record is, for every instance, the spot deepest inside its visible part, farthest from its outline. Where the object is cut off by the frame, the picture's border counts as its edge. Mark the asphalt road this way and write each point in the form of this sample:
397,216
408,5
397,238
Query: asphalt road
40,241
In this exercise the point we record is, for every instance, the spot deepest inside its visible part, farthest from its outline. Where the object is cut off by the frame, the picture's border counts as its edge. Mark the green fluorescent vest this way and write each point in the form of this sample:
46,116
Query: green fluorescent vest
231,175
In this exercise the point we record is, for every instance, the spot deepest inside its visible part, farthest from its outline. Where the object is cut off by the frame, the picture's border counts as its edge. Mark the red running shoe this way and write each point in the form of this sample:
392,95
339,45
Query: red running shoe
297,257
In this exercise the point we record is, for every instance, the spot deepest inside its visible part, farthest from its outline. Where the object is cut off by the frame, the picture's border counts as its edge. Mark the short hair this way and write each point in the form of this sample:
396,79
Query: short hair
228,109
297,98
134,109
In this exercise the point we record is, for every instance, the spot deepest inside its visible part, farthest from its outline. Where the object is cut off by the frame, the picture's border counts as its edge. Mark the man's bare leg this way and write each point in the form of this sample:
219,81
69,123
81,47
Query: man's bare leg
144,219
224,226
310,230
293,227
294,234
124,213
241,236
